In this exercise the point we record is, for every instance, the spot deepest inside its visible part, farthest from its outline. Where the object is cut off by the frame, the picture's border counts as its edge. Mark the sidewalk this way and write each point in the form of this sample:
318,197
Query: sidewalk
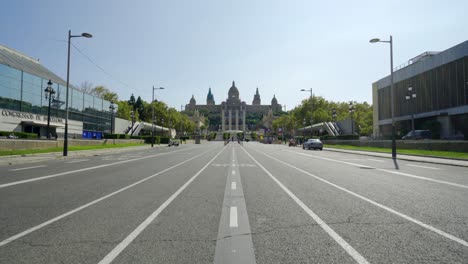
434,160
29,158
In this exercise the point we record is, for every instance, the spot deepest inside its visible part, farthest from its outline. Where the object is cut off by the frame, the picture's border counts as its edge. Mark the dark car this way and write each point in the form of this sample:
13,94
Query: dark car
313,143
173,143
418,134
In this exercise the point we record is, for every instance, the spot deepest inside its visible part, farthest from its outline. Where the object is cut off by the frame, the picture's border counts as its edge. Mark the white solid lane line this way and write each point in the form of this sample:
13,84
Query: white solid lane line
385,170
347,247
375,160
27,168
122,245
76,161
55,219
233,185
80,170
424,167
438,231
233,217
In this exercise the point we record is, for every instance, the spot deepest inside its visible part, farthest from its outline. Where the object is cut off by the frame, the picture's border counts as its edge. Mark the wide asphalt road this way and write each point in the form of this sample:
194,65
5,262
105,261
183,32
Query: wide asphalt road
249,203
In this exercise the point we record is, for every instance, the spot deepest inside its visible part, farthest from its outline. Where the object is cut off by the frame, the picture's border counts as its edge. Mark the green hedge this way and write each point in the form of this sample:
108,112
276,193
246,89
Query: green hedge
211,136
116,136
341,137
18,134
157,139
254,136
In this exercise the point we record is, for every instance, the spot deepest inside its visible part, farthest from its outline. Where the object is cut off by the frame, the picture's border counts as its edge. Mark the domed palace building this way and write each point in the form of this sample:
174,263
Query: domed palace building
233,111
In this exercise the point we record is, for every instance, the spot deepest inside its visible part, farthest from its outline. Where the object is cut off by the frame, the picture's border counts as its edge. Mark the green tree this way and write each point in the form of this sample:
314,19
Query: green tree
132,102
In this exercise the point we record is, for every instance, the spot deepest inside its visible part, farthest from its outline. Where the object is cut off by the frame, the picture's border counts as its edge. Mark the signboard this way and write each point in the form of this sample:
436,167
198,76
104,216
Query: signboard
29,116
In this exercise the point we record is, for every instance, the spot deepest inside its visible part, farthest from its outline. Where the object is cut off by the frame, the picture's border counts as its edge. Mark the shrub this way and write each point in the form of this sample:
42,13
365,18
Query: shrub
18,134
347,137
164,140
116,136
148,139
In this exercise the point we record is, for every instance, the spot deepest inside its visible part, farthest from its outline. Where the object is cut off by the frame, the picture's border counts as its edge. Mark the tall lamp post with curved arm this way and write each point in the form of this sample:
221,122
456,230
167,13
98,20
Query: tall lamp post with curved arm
392,107
65,138
152,119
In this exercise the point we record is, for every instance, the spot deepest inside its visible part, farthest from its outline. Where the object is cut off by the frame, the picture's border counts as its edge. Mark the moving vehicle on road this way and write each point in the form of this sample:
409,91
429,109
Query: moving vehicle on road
418,134
313,143
173,143
292,143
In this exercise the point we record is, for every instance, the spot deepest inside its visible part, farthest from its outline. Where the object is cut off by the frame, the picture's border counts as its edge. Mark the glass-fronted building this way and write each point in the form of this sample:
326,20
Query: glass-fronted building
24,106
439,81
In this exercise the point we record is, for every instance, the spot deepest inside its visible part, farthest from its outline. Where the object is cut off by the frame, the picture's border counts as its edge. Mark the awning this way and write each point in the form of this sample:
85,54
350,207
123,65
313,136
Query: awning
43,124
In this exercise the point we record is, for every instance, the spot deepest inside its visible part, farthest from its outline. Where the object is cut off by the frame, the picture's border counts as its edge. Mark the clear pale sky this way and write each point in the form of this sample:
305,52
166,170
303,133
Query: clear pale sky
188,46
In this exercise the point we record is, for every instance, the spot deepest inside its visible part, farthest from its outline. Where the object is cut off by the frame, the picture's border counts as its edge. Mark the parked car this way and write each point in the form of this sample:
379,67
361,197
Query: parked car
418,134
173,143
292,143
313,143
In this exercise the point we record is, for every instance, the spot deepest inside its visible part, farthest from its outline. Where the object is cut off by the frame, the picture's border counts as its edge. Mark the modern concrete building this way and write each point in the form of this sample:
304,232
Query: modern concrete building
434,88
24,106
233,111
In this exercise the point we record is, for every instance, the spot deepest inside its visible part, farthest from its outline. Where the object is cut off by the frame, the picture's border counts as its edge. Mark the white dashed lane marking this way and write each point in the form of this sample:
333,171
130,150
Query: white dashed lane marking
27,168
233,217
76,161
375,160
424,167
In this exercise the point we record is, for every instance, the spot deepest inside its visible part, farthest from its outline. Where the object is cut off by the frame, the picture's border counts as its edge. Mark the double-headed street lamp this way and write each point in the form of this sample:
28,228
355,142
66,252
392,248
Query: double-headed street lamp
334,114
111,109
152,120
351,111
375,40
65,138
411,96
50,95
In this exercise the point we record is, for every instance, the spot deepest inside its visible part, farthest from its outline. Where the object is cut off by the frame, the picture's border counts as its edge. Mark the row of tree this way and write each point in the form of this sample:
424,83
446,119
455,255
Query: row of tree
143,111
317,110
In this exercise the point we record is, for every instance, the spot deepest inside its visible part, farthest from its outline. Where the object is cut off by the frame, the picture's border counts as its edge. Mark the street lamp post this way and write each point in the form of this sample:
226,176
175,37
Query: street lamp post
152,108
303,129
132,116
410,96
162,129
311,131
49,94
311,107
111,109
65,138
375,40
351,111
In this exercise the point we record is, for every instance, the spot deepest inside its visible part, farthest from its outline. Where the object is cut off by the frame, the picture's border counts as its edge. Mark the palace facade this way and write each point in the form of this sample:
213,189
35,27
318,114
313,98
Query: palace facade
233,111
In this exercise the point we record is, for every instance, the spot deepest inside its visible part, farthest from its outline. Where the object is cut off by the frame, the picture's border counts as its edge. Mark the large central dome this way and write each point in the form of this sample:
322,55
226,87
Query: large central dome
233,92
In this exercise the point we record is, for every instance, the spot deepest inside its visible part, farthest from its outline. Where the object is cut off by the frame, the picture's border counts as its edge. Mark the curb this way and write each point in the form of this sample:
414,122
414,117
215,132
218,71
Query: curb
38,157
367,153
